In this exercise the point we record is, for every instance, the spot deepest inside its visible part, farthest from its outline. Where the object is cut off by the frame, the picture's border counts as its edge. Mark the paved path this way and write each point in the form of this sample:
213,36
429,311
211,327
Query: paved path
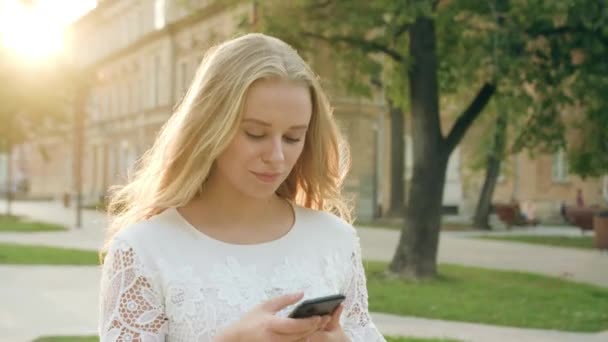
58,300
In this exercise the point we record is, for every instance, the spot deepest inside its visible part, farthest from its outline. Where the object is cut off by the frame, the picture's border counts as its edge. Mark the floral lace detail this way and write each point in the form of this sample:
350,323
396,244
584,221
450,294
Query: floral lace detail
356,320
131,308
190,303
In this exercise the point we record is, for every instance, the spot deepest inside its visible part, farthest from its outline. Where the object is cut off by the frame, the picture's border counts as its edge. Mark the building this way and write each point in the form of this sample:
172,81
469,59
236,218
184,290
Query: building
144,54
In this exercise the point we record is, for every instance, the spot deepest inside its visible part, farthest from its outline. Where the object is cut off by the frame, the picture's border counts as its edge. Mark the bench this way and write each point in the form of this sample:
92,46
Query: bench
581,217
511,215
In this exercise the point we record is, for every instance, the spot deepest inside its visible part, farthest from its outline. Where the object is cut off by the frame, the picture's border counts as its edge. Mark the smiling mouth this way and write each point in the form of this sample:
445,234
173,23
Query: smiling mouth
267,177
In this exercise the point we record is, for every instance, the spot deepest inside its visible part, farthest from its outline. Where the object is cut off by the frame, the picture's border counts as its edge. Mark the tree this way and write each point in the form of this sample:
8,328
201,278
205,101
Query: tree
558,50
405,34
35,103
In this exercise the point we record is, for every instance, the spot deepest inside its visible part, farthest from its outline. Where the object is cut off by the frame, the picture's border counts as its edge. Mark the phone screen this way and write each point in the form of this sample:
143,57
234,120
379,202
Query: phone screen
320,306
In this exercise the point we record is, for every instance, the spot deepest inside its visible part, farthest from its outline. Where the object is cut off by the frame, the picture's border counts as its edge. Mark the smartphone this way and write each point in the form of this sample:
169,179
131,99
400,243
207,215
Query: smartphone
320,306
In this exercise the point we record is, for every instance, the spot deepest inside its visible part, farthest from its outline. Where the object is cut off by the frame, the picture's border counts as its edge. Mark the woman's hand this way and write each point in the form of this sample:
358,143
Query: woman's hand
333,331
262,324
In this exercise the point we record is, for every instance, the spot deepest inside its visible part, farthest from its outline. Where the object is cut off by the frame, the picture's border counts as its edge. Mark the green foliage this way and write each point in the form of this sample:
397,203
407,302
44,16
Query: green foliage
525,47
37,99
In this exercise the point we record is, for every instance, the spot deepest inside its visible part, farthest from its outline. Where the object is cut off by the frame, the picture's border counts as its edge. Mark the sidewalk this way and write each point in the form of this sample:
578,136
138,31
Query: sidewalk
61,300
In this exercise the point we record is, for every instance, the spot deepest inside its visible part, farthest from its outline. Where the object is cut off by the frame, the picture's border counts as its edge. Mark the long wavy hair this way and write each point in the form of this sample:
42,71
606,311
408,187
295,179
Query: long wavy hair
171,173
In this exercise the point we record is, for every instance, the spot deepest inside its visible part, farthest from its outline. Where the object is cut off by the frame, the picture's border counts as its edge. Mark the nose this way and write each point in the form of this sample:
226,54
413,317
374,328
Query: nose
274,151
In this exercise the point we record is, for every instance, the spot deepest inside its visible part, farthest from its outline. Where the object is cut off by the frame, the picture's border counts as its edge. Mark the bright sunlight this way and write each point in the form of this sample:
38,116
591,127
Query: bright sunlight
35,30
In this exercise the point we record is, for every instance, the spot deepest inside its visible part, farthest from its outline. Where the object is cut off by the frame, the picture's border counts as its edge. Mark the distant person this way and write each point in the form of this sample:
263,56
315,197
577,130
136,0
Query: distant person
580,202
605,189
236,213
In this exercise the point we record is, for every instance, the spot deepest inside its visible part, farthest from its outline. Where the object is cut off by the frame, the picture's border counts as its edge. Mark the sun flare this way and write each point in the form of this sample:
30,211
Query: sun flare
36,31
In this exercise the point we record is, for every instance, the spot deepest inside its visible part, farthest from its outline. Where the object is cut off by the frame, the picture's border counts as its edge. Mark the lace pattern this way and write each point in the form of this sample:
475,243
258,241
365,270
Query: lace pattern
131,308
193,302
356,320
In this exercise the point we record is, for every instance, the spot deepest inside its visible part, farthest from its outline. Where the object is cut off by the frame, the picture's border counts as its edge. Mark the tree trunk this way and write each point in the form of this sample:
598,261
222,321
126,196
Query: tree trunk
9,179
396,207
495,156
417,250
79,117
482,213
416,254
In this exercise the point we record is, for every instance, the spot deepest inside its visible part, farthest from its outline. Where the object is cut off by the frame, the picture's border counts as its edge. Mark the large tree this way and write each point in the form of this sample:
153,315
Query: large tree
543,57
36,100
398,40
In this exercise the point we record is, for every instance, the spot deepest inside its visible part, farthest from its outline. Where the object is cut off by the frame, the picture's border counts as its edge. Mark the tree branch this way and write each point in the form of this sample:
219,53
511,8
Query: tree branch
366,45
402,29
465,119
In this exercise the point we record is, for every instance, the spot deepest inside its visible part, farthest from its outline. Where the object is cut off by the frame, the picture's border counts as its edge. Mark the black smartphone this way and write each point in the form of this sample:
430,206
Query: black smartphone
320,306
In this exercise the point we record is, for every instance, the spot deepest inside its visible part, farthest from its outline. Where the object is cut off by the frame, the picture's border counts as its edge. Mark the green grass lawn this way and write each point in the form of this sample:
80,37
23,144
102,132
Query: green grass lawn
67,339
584,242
96,339
416,339
493,297
16,224
18,254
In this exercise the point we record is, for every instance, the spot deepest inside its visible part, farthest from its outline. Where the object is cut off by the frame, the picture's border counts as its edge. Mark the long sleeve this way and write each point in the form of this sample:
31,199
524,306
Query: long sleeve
357,323
131,306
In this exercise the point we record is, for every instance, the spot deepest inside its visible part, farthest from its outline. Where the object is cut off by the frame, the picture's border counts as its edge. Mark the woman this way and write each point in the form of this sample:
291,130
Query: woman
235,213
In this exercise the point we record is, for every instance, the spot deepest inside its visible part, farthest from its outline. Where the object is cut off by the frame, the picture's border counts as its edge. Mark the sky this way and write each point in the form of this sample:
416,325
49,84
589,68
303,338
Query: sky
38,32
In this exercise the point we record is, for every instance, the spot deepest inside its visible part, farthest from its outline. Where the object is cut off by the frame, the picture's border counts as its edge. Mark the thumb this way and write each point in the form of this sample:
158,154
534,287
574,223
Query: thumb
278,303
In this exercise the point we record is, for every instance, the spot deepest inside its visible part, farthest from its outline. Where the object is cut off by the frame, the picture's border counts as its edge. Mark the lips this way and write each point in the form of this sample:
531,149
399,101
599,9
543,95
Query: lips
266,177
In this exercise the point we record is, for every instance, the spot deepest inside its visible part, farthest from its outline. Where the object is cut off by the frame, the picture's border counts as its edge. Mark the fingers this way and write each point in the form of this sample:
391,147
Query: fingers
291,326
276,304
334,321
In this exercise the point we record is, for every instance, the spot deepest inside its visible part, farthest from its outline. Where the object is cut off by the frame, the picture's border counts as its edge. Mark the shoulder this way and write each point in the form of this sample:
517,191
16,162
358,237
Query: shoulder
326,224
147,237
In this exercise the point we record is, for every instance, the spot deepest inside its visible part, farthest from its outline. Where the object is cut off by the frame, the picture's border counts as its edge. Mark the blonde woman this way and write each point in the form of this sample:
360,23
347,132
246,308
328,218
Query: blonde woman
235,214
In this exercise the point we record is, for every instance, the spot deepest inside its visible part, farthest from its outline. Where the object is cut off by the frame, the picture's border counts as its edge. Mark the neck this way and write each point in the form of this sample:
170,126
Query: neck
224,205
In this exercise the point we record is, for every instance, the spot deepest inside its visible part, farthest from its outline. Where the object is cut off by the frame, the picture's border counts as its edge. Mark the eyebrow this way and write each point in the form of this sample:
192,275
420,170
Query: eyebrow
264,123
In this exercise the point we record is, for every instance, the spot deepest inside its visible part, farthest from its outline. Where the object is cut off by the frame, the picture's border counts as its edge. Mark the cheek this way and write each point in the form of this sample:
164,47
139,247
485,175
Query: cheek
239,153
294,154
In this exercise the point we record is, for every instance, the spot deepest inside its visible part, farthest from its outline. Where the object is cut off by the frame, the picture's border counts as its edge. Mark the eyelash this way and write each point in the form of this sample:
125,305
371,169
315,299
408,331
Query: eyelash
259,137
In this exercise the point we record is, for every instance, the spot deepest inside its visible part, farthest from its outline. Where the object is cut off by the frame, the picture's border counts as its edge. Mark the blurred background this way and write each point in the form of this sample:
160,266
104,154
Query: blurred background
480,120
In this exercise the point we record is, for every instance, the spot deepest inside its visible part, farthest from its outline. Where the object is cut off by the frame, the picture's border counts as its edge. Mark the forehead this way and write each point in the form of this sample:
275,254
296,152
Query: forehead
278,101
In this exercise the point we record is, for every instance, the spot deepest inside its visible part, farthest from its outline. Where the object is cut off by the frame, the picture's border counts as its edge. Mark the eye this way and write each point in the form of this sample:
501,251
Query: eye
254,136
292,140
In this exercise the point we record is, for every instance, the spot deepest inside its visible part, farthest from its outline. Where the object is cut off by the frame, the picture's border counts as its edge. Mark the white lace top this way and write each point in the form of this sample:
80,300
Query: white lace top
164,280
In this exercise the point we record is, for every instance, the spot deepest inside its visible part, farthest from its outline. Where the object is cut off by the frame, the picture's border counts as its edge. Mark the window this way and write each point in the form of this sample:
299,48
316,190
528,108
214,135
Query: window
560,166
159,14
184,77
156,81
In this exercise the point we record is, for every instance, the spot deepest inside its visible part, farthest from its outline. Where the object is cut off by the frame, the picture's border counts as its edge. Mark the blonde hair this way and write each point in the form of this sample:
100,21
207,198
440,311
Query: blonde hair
173,171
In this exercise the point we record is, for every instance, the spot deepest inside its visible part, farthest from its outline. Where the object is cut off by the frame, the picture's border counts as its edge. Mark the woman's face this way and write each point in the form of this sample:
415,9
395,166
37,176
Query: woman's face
270,137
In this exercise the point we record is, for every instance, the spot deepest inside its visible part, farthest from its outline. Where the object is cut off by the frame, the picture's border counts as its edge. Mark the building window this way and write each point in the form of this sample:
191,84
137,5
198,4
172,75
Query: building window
159,14
184,77
112,110
560,166
156,81
127,97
